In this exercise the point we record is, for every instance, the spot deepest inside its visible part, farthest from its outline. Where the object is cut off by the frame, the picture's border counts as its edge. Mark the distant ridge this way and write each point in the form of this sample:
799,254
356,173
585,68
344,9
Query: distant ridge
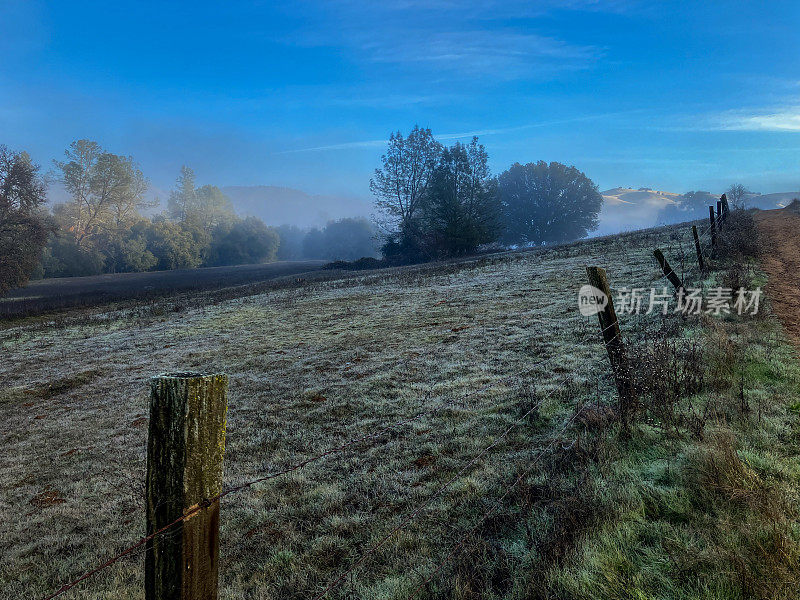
631,208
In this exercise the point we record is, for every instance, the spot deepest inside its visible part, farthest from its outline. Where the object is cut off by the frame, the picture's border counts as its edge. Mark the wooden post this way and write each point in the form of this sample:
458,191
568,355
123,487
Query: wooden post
185,446
612,338
719,213
713,230
725,206
697,247
668,272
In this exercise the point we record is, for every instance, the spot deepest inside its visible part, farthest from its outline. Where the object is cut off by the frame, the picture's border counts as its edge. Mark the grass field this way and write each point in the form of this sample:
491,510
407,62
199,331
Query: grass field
700,503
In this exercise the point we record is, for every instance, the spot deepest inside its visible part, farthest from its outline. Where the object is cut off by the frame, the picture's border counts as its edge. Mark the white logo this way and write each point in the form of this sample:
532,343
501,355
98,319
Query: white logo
591,300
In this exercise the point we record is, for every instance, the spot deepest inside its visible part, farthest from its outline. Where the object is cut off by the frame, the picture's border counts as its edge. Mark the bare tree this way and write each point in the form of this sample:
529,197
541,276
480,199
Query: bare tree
403,179
737,195
23,226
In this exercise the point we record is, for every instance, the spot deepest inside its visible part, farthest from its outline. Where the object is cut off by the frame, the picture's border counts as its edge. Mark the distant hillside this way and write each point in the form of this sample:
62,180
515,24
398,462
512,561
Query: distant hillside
279,205
768,201
628,208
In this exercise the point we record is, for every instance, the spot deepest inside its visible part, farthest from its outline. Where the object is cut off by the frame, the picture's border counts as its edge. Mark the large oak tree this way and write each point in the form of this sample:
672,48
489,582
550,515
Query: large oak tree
547,203
460,210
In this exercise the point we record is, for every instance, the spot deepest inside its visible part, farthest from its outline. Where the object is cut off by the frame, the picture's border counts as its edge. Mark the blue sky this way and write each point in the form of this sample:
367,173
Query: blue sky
672,95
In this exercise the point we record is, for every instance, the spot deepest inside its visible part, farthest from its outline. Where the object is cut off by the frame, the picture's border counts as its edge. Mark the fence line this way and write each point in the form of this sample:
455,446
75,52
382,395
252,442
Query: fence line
206,503
209,502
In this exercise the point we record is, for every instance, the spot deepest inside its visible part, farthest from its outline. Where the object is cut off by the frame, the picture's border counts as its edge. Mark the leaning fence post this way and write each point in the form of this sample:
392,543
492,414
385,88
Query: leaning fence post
713,229
185,446
697,247
725,206
612,338
669,273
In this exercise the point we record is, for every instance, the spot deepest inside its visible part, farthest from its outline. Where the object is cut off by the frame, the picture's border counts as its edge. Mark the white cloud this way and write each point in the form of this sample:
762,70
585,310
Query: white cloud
784,119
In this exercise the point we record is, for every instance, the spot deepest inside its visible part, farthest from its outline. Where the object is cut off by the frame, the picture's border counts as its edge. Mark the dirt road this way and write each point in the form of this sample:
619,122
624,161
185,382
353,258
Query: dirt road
780,230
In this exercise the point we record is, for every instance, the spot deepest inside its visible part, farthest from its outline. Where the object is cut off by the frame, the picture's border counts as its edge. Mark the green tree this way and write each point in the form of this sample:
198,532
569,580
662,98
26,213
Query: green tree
183,197
127,251
107,191
205,207
63,257
314,244
243,242
461,211
211,209
291,242
176,246
547,203
348,239
23,226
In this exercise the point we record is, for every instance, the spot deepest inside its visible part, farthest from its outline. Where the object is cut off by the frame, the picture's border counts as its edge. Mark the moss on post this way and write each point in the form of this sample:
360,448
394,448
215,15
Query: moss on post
185,448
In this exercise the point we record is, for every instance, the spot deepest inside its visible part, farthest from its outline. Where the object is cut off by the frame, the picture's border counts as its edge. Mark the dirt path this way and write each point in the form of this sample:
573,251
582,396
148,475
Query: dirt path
780,230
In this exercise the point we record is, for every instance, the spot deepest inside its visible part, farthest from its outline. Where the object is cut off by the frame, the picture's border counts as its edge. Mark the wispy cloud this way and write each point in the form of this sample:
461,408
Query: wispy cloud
343,146
466,134
449,39
782,119
502,53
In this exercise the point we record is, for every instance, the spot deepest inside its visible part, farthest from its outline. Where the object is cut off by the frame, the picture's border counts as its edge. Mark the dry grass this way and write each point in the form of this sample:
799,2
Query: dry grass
310,366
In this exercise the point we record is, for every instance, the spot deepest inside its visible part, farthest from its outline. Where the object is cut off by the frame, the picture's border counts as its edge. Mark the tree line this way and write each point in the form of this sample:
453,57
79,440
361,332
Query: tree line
103,226
437,201
433,201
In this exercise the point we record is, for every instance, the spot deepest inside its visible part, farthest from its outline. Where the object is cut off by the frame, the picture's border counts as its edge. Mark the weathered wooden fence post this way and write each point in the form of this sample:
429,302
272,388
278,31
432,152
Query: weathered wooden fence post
713,229
725,206
185,447
719,213
698,248
612,338
669,273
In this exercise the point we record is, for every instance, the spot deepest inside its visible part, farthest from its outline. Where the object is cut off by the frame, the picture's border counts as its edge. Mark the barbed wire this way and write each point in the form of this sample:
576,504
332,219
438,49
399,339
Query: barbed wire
497,504
206,503
416,512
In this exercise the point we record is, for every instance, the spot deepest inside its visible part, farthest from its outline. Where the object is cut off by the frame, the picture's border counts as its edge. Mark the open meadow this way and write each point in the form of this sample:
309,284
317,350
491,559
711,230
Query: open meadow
501,402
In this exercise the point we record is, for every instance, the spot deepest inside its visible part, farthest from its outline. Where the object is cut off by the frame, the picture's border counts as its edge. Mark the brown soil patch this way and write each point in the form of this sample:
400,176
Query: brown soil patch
780,230
46,498
424,461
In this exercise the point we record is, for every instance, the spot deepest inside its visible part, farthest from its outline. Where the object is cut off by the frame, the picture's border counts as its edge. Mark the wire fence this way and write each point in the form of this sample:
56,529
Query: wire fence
171,528
206,503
